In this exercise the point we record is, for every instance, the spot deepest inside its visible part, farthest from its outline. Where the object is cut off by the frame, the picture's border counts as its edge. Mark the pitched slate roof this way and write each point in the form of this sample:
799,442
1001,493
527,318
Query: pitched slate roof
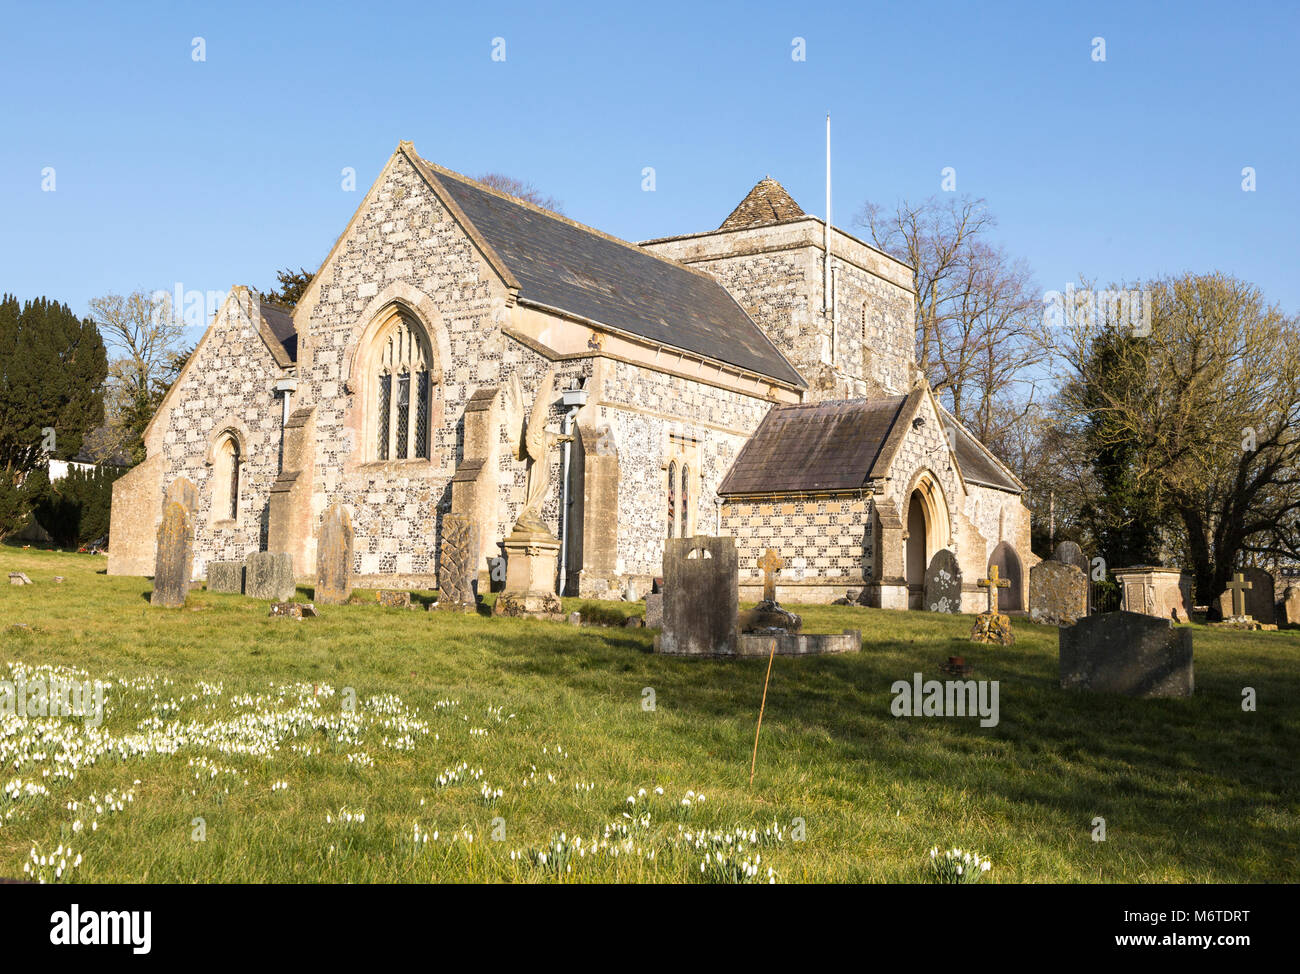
977,465
575,269
809,447
280,321
767,202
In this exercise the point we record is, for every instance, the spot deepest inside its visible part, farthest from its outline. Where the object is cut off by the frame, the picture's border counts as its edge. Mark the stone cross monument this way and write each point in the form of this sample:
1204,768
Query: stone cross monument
993,583
1239,587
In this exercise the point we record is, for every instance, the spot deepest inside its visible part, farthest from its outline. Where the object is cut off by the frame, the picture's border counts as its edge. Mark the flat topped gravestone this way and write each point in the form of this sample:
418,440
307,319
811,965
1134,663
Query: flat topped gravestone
225,576
1127,652
1291,606
334,557
458,564
175,557
943,583
701,597
269,575
1058,594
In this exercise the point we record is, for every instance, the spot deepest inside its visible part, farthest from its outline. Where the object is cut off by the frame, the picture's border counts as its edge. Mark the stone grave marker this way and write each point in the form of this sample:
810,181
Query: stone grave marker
991,626
293,610
458,563
182,491
269,575
1291,605
943,583
394,599
654,610
701,597
175,558
334,557
225,576
1058,594
1127,652
1257,598
19,578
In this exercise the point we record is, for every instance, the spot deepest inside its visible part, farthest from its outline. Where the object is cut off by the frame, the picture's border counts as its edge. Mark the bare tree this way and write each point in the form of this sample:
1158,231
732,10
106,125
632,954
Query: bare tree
521,190
979,330
144,337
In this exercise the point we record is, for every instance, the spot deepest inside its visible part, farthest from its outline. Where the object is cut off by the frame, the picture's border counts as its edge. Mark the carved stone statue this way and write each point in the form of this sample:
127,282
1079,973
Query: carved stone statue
538,440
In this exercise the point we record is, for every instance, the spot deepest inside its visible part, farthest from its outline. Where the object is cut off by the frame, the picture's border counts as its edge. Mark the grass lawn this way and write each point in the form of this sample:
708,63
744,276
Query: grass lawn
229,726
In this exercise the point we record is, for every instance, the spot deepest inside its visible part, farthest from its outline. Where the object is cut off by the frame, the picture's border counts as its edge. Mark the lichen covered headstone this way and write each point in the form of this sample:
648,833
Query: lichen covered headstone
175,556
1058,594
269,575
943,583
334,555
225,576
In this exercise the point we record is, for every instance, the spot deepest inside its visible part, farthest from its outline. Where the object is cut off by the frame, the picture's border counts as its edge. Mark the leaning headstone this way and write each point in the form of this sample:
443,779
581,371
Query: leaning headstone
334,557
458,563
1291,605
943,583
1058,594
171,576
1127,652
1258,595
701,597
225,576
269,575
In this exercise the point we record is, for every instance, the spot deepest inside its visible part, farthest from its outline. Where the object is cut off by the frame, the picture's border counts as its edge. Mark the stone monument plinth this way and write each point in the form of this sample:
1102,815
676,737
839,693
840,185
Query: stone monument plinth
532,554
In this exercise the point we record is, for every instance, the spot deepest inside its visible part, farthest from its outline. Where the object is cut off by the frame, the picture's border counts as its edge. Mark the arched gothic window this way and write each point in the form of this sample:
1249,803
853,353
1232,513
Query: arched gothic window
225,480
404,390
672,499
686,500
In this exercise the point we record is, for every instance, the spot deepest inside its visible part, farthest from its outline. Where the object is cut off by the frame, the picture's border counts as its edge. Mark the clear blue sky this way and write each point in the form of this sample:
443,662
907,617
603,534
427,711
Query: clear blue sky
219,172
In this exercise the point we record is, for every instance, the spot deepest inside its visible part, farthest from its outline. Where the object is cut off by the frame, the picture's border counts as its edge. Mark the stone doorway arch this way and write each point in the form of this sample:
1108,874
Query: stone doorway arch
1006,560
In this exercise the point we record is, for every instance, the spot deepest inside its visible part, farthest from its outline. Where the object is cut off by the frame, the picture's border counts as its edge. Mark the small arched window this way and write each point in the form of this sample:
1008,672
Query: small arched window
225,479
672,499
404,387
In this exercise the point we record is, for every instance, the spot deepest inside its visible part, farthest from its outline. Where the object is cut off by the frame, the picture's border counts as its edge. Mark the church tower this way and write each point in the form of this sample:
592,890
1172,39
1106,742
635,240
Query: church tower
848,329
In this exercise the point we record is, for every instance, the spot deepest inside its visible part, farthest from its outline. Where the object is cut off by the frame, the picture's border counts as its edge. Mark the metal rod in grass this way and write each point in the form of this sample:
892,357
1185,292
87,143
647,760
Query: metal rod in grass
753,763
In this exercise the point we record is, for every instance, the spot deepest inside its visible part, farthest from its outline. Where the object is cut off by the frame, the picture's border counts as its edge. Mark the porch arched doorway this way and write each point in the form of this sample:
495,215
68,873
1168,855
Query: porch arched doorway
918,549
1006,560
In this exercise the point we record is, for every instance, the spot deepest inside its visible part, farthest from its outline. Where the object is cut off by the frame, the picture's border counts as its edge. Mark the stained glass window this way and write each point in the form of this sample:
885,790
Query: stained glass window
385,398
403,412
672,499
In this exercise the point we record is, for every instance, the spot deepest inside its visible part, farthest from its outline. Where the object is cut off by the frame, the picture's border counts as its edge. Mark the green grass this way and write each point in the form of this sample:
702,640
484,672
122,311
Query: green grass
1192,790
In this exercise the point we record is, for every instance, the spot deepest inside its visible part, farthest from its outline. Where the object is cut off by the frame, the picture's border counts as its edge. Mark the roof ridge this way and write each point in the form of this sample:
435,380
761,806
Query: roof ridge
543,211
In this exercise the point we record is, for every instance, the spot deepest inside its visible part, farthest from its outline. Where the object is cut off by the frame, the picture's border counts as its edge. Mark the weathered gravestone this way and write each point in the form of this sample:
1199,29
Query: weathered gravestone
458,563
1069,553
1127,652
225,576
943,583
1058,594
19,578
269,575
394,599
701,597
182,491
654,610
1291,605
293,610
1258,595
993,627
334,557
175,558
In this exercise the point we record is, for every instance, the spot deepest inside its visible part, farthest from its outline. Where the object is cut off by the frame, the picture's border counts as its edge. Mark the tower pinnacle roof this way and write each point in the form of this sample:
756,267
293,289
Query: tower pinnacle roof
767,202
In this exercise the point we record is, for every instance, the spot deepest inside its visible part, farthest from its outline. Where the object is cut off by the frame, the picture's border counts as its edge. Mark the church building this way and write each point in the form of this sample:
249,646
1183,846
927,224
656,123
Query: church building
757,381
